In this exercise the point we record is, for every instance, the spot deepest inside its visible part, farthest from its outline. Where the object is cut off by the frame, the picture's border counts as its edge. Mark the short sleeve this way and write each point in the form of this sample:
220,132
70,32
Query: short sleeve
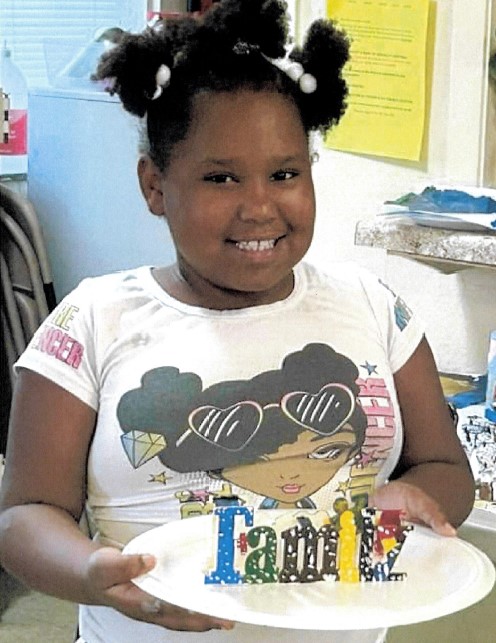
63,349
401,328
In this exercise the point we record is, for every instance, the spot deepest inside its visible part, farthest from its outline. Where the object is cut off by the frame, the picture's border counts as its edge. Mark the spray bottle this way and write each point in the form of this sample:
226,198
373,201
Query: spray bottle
13,141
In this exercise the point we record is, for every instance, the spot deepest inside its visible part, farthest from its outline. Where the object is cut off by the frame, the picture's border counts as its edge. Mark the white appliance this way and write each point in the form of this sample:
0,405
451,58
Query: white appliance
83,150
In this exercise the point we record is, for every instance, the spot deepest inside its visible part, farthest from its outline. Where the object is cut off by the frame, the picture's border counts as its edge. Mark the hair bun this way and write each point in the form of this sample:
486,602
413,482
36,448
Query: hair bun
257,22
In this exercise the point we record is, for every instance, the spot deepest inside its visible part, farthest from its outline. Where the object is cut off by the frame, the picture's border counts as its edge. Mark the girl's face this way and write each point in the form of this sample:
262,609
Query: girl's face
239,200
296,470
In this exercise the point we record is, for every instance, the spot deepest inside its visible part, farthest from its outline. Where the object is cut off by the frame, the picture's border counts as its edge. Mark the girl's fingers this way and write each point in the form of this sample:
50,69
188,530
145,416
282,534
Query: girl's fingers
110,574
429,514
177,618
143,607
417,505
108,567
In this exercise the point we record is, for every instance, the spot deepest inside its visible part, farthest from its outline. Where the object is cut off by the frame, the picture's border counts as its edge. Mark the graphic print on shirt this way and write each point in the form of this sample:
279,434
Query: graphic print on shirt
282,435
55,340
402,314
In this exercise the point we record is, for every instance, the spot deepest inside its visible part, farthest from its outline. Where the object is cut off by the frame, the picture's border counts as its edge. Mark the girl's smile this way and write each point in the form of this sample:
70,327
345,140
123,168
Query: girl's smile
291,488
238,198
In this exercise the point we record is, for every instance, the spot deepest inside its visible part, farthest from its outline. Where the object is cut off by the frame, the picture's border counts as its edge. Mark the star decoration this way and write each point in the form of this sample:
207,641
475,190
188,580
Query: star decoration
201,495
370,368
365,459
343,486
160,477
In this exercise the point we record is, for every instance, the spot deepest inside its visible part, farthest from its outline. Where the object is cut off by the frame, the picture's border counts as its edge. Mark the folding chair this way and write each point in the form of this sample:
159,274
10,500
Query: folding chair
26,287
23,263
24,215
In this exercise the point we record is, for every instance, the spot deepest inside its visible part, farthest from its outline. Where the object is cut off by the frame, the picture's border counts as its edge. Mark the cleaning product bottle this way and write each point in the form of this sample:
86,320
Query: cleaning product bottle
490,411
13,142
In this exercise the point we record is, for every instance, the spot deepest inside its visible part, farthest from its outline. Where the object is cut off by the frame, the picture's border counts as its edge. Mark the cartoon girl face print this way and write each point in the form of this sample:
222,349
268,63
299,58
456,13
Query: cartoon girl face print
296,471
283,434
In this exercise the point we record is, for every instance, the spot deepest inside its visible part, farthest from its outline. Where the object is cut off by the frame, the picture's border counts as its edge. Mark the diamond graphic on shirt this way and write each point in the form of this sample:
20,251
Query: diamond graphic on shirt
141,447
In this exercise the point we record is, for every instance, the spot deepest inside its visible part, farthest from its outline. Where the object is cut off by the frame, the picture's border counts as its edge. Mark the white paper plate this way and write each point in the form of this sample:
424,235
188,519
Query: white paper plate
445,575
455,221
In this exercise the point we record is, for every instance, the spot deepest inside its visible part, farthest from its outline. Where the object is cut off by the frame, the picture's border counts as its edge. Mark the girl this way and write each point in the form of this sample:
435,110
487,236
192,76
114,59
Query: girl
236,343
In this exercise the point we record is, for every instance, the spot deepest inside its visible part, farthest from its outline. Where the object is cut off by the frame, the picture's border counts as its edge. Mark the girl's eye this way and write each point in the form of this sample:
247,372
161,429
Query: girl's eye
327,452
219,178
284,175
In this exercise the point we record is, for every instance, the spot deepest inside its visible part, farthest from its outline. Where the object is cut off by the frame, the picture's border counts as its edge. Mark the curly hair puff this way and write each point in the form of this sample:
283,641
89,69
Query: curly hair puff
202,57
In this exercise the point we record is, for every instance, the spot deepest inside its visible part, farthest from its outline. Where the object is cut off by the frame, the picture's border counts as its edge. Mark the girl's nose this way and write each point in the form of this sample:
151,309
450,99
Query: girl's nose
257,205
289,475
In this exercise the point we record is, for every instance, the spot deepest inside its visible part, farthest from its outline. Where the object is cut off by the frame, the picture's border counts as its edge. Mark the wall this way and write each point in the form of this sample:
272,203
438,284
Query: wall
490,151
459,309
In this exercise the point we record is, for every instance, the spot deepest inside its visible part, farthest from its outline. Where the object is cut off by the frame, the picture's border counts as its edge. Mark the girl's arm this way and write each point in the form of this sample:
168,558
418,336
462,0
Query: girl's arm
433,482
43,488
41,500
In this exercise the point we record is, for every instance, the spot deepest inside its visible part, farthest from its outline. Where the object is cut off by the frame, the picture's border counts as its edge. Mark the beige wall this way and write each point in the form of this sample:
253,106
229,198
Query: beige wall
459,309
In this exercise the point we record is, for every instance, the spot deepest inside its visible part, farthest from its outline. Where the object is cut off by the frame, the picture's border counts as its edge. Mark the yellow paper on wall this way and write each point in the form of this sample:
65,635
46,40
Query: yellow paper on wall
386,76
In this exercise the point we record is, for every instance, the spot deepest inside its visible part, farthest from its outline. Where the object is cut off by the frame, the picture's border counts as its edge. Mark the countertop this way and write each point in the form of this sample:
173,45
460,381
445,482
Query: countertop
404,237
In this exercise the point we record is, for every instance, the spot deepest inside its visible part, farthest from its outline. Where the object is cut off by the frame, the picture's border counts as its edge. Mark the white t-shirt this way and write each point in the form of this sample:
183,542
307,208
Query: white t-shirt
195,403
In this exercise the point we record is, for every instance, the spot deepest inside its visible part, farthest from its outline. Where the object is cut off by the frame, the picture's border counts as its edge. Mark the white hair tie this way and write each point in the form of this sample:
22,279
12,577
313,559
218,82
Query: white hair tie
292,69
295,71
162,78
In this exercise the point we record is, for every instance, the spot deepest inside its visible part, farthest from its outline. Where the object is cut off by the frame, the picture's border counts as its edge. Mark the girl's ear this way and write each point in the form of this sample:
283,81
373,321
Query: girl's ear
150,180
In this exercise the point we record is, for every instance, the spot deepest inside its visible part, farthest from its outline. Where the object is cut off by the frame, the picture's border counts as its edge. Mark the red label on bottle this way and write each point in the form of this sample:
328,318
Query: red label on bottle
17,133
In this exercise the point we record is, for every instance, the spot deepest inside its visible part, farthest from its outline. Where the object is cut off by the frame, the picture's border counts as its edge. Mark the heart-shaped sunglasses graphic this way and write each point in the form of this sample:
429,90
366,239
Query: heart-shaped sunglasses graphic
232,428
325,412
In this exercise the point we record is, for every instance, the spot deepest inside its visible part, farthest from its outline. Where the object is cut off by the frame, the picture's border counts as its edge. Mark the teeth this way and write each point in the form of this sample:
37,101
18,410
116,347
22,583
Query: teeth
254,246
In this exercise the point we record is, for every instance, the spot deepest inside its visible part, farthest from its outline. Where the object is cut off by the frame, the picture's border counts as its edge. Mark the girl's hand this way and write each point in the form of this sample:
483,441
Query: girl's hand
417,505
109,577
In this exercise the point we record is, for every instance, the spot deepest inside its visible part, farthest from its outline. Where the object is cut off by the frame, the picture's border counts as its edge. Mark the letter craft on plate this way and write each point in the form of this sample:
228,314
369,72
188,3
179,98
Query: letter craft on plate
305,547
225,571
